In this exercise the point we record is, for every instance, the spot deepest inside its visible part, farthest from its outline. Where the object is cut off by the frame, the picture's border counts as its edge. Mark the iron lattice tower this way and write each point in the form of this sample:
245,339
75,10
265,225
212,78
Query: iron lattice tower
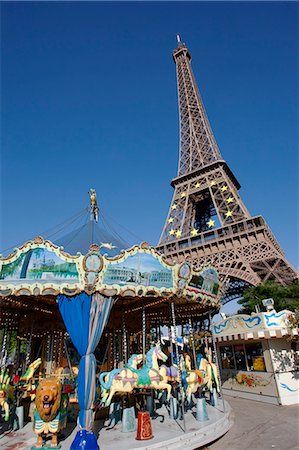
207,220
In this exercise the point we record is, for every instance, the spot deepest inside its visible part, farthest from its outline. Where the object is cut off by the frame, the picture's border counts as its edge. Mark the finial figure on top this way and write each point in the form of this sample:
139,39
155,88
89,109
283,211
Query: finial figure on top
94,210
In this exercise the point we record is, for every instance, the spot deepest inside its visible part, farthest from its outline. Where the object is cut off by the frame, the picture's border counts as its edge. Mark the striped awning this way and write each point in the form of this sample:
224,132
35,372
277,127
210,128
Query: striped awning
262,334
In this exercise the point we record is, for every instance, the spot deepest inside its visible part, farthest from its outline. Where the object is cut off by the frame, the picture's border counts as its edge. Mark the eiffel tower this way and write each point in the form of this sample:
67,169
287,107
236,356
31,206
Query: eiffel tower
207,221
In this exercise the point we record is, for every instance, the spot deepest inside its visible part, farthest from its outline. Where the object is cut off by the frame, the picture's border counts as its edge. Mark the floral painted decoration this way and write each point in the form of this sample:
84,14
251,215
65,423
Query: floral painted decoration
250,380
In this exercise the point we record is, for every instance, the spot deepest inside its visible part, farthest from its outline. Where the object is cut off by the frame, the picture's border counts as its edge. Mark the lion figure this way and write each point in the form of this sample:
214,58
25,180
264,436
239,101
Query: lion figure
47,414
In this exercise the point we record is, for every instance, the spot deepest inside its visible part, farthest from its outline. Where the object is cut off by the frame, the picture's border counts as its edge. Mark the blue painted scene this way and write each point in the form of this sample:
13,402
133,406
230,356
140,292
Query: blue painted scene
40,265
142,269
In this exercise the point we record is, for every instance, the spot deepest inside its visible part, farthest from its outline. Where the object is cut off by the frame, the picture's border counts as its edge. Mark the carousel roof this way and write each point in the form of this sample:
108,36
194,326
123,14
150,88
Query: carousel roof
80,240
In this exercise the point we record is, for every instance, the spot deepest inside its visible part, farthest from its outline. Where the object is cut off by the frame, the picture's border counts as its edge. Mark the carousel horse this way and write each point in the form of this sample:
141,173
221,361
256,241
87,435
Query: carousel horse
191,379
150,376
28,375
26,382
210,368
118,380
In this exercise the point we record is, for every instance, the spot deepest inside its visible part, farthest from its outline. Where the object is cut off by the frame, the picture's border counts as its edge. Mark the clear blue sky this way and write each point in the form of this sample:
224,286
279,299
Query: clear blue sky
89,100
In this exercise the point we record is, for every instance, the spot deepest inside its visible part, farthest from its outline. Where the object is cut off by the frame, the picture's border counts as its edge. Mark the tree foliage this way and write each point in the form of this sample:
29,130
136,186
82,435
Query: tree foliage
285,297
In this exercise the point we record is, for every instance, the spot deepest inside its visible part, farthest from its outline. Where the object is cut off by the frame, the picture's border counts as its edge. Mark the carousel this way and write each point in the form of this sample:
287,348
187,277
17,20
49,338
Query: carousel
107,338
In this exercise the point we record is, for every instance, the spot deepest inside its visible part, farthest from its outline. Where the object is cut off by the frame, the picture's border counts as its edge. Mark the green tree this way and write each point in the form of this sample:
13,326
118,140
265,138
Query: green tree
285,297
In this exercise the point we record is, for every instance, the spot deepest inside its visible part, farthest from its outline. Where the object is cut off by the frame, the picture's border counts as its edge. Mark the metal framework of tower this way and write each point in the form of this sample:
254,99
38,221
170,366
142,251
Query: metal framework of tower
207,221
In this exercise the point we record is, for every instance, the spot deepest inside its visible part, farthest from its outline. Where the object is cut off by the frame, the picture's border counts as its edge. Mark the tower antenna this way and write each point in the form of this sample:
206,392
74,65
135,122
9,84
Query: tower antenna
178,38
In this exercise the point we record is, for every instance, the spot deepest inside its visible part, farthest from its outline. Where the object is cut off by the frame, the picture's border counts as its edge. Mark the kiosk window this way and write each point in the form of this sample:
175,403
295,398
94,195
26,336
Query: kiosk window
227,357
255,357
240,357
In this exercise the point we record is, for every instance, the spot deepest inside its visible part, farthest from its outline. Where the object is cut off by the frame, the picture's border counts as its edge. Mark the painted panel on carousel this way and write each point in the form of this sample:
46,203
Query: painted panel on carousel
205,282
141,269
40,265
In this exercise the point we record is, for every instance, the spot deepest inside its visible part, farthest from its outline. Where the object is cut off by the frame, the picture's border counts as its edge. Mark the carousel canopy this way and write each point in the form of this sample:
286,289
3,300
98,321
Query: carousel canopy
80,240
33,275
41,268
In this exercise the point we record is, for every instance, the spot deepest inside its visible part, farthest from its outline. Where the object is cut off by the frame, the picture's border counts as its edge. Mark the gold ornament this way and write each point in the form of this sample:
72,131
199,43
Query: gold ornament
173,206
194,232
211,223
170,220
171,232
224,188
178,233
229,214
229,199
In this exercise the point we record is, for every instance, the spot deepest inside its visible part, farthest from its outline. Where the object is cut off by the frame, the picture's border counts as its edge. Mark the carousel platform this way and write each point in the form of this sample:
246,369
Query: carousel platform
167,435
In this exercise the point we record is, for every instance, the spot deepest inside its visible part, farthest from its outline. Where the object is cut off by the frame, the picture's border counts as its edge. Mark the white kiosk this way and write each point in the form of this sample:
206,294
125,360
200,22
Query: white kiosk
257,356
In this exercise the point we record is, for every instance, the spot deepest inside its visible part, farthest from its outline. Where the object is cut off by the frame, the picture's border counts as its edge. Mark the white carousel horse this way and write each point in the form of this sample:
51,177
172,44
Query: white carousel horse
119,380
156,374
151,376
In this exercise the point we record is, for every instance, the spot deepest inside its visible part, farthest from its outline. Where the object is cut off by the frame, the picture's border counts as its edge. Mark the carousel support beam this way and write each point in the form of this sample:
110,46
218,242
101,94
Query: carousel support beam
18,352
191,333
217,363
178,363
29,344
4,346
143,333
49,353
67,356
125,344
8,345
114,351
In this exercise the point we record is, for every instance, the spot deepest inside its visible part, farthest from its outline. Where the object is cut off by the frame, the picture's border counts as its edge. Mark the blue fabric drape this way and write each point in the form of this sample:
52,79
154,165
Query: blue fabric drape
85,317
75,313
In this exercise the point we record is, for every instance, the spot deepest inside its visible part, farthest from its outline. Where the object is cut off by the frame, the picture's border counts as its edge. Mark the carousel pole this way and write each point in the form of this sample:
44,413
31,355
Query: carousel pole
51,351
178,363
143,333
157,333
4,345
28,351
114,350
191,332
8,344
67,356
48,354
170,335
217,362
125,345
